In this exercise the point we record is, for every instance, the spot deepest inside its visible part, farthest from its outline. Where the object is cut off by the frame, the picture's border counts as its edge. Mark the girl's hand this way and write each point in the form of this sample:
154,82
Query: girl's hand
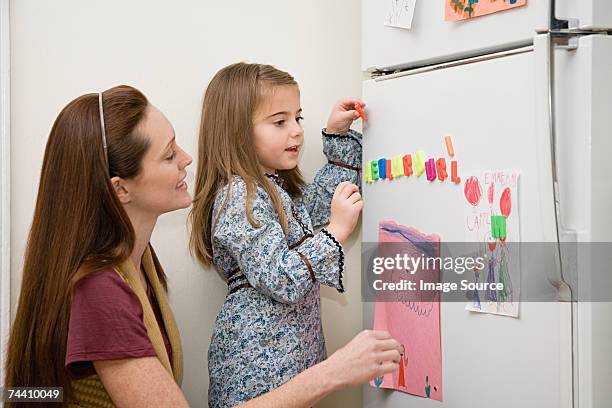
345,208
342,116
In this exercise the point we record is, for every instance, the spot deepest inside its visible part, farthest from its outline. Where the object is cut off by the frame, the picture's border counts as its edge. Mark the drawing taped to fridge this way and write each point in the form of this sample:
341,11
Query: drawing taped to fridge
466,9
492,220
400,13
415,323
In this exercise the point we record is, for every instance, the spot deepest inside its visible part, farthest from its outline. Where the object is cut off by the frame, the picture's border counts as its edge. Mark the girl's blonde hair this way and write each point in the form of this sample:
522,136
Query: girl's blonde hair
225,148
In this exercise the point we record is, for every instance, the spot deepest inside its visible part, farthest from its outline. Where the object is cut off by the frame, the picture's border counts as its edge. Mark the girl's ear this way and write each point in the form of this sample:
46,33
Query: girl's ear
121,190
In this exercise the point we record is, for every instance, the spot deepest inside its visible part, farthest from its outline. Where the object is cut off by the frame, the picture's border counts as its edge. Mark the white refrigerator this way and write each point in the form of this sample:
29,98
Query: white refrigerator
527,89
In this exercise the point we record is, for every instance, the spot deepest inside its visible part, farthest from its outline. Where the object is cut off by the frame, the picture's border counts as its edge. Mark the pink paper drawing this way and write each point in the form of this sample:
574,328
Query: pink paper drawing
415,324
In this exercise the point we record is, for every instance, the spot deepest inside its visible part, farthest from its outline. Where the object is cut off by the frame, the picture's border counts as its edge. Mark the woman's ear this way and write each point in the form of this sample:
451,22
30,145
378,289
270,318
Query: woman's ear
121,190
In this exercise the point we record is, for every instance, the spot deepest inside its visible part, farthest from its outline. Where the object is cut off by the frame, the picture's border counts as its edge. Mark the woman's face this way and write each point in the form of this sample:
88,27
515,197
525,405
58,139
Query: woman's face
160,186
277,133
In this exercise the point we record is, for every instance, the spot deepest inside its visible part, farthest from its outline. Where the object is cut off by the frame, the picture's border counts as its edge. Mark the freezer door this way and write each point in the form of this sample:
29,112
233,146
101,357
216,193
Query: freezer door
496,112
432,38
584,144
590,14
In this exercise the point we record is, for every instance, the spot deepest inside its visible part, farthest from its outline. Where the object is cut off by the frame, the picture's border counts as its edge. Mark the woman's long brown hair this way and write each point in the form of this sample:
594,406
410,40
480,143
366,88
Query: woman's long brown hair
79,228
225,148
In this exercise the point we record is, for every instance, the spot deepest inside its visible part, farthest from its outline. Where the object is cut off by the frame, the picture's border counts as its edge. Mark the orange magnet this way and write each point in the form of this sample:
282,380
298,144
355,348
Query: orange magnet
359,109
441,167
407,159
389,172
454,176
449,145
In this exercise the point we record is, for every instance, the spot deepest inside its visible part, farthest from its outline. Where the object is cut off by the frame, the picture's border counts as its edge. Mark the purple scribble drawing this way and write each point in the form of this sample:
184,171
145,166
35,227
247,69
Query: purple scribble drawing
476,294
427,248
491,294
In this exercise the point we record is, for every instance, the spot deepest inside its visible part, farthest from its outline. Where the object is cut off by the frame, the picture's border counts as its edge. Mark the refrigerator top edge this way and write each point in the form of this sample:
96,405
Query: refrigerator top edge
433,40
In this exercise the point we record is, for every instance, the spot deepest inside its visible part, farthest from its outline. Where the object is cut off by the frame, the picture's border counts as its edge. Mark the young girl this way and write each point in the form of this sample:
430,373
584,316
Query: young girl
254,219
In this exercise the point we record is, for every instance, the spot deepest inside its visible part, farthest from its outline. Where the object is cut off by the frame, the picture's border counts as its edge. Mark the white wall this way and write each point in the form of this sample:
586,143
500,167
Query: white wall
170,50
5,179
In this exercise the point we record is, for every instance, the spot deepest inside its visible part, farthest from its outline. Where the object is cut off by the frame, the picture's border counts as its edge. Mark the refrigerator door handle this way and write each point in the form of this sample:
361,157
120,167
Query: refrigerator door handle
548,182
544,48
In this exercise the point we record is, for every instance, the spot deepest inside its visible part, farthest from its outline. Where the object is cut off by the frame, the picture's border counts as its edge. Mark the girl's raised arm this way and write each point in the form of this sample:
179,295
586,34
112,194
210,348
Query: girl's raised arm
342,148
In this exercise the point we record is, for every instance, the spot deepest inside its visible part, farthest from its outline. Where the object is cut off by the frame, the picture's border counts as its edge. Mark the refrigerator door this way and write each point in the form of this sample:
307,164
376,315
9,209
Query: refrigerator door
583,126
432,38
496,111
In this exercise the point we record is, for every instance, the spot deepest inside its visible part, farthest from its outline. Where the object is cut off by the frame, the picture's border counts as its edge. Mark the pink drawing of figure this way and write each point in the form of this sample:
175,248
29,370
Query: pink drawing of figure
401,382
491,194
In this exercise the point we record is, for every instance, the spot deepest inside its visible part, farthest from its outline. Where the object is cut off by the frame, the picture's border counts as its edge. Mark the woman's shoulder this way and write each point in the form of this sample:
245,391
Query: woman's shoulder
106,323
104,288
104,297
105,277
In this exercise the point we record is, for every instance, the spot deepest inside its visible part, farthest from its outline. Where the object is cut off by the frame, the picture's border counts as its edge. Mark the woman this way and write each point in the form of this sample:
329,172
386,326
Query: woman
93,315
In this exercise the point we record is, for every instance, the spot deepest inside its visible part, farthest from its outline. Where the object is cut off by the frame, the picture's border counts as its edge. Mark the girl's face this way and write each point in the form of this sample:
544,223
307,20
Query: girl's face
160,186
277,133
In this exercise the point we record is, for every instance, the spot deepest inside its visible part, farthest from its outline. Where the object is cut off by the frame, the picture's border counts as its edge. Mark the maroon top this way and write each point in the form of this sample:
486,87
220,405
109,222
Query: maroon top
106,323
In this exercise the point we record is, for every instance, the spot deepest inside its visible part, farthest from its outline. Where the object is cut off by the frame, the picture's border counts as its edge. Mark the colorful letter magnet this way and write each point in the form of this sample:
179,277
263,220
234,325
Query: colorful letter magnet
449,145
368,173
454,177
419,163
359,109
407,159
430,168
397,167
441,167
382,168
374,165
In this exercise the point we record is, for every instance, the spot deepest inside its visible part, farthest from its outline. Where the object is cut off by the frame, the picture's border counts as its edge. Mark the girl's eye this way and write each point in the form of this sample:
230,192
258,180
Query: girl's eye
279,122
172,156
299,119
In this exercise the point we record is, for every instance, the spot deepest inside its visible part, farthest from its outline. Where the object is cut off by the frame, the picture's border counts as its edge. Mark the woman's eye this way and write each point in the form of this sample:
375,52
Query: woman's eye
279,122
172,156
299,119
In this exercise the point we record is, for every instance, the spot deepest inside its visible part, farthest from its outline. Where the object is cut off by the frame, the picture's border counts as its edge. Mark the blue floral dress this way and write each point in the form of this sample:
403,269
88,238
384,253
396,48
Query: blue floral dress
269,327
